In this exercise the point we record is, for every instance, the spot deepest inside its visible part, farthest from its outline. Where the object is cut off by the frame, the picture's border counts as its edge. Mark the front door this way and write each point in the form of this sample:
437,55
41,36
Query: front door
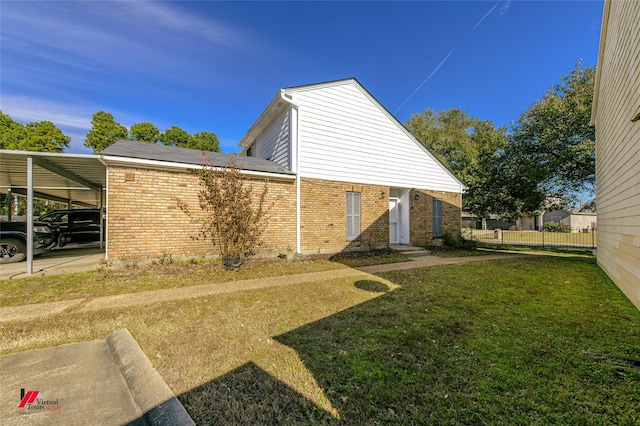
394,220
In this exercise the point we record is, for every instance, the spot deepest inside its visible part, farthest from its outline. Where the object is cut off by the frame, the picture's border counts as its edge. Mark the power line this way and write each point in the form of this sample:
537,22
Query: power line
446,57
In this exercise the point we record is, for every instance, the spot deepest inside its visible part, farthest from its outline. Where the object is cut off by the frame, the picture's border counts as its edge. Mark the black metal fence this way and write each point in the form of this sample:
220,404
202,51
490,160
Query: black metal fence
578,238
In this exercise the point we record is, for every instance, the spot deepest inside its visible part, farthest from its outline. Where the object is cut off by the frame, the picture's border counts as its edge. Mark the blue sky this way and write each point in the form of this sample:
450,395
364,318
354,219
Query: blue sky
214,66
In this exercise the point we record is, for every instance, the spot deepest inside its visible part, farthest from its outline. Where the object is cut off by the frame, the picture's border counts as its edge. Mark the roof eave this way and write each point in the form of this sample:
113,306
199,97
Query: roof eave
264,120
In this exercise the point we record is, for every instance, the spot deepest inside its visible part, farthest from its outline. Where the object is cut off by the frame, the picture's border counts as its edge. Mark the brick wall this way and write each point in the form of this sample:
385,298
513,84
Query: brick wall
323,215
144,220
421,220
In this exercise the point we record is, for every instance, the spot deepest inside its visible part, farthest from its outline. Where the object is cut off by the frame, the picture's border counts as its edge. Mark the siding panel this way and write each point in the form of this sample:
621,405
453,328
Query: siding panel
618,149
275,143
345,137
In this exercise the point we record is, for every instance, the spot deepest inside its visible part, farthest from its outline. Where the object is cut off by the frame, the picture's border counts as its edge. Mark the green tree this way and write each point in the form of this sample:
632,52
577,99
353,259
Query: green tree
175,136
35,136
104,131
467,146
44,136
11,132
552,141
205,141
145,132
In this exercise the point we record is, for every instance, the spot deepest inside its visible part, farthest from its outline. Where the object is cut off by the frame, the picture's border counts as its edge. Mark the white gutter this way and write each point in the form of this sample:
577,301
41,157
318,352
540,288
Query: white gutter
295,154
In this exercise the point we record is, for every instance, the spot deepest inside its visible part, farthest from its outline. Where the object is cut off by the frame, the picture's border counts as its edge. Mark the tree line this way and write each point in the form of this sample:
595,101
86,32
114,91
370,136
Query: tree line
544,160
105,130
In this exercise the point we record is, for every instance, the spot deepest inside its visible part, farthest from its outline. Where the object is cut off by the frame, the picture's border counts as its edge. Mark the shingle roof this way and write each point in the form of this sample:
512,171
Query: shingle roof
157,152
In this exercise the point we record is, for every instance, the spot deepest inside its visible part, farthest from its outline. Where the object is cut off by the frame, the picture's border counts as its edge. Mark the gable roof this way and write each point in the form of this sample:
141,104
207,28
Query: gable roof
193,157
278,104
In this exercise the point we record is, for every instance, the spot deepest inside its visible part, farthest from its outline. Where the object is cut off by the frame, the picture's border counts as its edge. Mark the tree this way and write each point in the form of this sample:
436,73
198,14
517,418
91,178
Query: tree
552,141
44,136
11,132
175,136
467,146
205,141
145,132
104,132
234,219
35,136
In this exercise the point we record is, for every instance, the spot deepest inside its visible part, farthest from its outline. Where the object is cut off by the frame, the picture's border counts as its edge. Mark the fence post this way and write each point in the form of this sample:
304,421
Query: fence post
593,240
542,237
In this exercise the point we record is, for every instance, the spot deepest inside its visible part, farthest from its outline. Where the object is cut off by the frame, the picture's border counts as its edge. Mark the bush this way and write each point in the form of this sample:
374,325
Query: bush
557,227
234,219
459,241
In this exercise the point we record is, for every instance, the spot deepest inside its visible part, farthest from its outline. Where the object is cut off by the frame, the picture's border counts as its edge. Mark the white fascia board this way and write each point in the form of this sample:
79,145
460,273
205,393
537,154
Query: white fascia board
171,166
264,120
48,154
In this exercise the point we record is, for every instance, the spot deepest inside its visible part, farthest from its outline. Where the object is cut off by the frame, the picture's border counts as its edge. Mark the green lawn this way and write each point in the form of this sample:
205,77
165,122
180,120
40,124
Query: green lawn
493,342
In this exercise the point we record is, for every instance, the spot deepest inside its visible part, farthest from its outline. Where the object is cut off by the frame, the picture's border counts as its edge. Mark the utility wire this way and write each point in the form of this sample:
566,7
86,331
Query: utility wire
446,57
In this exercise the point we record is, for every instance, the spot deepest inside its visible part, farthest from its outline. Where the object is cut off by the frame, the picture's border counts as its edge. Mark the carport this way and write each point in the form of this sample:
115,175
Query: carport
75,179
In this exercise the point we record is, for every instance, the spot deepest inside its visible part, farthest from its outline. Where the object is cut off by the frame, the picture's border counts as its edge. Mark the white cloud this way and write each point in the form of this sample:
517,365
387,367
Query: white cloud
116,37
505,7
26,109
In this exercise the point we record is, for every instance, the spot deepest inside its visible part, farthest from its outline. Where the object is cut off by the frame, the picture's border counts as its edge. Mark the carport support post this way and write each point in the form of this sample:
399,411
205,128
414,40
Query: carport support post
29,237
9,200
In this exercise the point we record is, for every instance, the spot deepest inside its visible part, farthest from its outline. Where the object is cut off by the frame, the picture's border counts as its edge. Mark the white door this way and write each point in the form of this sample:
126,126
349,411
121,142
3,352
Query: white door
394,220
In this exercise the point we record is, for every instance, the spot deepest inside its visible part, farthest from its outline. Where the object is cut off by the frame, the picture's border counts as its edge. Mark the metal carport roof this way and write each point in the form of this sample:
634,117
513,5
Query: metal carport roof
79,178
70,178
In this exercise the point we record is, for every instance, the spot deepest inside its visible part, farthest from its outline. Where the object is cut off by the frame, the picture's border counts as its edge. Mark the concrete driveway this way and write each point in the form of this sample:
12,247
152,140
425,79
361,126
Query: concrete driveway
72,258
101,382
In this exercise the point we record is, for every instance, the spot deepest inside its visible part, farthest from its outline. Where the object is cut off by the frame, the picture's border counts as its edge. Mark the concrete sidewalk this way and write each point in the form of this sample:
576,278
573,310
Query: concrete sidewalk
106,382
27,312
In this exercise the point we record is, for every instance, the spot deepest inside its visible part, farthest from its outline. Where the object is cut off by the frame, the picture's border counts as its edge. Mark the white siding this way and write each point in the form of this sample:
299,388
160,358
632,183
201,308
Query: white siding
345,136
275,143
618,148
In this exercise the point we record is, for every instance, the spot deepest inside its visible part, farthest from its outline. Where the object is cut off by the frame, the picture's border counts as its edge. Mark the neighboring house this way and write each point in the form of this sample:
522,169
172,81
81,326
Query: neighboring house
616,115
343,174
579,221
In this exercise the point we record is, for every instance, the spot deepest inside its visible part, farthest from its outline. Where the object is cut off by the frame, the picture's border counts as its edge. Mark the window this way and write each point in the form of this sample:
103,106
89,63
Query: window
437,218
353,216
251,151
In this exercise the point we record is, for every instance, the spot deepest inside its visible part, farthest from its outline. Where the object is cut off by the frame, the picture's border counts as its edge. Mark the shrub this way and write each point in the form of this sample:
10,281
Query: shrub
557,227
459,241
233,221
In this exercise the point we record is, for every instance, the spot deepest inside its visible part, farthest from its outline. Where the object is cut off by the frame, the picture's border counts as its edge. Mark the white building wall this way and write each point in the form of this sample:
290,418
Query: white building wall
618,146
275,143
345,136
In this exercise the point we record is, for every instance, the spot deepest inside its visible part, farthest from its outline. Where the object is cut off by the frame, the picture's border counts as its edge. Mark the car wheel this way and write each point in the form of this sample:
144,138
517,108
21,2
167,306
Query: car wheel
12,251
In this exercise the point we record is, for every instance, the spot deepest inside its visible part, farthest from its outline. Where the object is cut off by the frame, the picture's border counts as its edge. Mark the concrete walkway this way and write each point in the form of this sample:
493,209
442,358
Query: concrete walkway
27,312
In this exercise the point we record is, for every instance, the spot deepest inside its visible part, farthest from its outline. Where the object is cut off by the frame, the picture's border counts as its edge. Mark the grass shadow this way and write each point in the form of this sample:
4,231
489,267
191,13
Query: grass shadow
249,395
372,286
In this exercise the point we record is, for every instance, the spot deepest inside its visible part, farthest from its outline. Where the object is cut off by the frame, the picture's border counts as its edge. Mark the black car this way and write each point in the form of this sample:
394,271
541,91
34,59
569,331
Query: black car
73,226
13,240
